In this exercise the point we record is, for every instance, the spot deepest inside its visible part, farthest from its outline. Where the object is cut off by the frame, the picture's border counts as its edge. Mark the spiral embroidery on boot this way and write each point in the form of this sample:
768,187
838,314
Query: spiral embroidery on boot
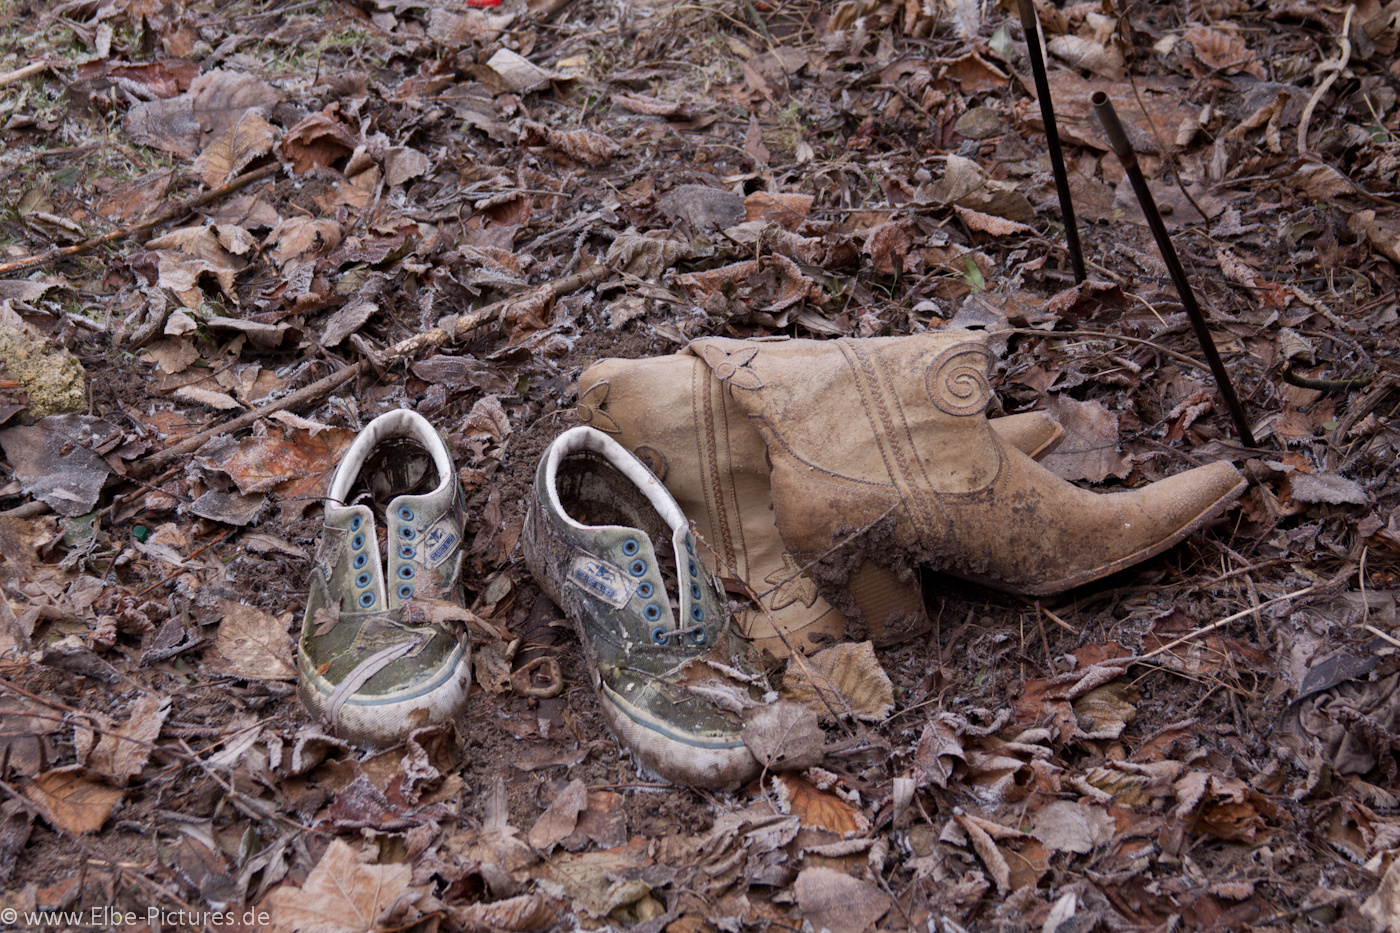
957,379
590,408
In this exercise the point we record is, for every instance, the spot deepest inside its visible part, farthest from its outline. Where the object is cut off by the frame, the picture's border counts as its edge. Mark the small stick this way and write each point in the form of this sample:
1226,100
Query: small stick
1052,137
174,212
1118,139
20,74
1206,629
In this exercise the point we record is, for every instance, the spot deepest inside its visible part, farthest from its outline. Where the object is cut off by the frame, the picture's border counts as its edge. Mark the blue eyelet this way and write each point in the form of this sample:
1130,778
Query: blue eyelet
690,547
697,613
357,542
406,532
366,600
698,636
630,547
407,551
356,522
659,635
694,591
406,591
645,590
694,571
362,580
360,560
406,514
406,572
637,567
652,612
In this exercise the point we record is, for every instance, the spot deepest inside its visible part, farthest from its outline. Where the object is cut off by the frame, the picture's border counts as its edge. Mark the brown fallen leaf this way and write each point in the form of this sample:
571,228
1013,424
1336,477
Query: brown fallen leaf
835,901
784,736
818,809
122,751
986,223
253,644
561,818
1219,52
581,145
520,914
938,752
845,679
1070,826
248,139
786,210
342,894
1090,446
71,802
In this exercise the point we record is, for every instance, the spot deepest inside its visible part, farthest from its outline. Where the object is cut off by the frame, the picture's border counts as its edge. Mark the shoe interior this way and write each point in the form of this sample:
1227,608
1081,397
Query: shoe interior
594,492
396,467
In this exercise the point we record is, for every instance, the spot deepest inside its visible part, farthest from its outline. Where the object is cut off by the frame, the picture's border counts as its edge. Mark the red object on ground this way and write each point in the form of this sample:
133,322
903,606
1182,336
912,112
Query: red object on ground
479,4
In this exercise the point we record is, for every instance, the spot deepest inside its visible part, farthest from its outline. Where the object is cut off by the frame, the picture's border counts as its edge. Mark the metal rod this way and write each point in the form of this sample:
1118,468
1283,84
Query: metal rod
1118,139
1052,137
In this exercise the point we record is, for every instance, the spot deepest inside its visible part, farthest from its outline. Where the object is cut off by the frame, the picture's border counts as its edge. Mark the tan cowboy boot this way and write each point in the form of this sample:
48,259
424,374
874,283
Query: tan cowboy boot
887,435
674,415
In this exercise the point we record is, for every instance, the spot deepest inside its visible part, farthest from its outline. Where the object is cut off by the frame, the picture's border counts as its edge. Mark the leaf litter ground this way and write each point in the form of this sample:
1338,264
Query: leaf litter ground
316,211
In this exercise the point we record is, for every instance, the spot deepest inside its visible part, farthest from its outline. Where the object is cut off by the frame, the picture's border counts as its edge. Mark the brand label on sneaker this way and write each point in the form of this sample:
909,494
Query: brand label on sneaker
439,542
601,579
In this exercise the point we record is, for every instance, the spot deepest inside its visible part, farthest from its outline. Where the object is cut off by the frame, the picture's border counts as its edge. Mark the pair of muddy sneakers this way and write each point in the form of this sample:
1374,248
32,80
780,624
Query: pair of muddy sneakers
384,647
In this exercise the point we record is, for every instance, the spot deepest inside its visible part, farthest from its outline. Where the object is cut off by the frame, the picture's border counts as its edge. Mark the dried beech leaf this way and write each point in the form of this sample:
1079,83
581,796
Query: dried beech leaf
652,106
1085,53
817,808
122,751
1070,826
253,644
1221,52
581,145
846,679
835,901
72,803
250,138
520,914
987,850
938,752
986,223
786,210
784,736
207,397
341,893
561,818
1090,446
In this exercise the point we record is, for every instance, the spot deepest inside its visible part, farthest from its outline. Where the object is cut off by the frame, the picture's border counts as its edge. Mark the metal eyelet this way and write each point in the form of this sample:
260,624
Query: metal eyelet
356,522
645,590
366,600
357,542
659,635
652,612
359,561
407,551
694,591
637,568
697,613
406,532
362,580
406,591
694,571
690,547
698,636
406,514
630,547
405,572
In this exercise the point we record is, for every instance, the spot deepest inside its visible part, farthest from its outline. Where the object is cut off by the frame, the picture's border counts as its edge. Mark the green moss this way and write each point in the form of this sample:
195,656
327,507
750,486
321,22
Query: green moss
52,377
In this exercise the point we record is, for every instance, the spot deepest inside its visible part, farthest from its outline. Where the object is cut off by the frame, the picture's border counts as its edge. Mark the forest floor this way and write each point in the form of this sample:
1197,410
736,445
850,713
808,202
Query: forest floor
288,191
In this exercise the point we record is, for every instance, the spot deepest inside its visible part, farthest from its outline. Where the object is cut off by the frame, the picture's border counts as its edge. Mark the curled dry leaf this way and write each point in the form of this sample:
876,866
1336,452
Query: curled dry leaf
987,851
248,139
652,106
938,753
341,893
986,223
1101,59
1220,52
581,145
217,400
520,914
784,736
561,818
122,751
818,809
845,679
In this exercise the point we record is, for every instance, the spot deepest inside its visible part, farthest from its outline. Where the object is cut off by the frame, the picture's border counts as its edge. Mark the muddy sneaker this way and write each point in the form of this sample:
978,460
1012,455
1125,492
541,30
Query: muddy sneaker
607,542
383,645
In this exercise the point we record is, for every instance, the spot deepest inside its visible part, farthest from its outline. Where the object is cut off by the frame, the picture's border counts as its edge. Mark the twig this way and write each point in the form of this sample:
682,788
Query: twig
20,74
1335,67
1206,629
1375,631
1103,335
449,328
173,212
1326,385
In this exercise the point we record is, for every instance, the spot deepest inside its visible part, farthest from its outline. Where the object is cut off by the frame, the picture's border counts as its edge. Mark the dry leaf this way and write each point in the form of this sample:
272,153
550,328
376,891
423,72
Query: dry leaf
1090,446
122,752
846,679
253,644
987,850
207,397
1105,711
248,139
986,223
1080,52
581,145
1069,826
651,106
561,818
835,901
520,914
784,736
341,894
938,752
1221,52
786,210
72,803
517,73
818,809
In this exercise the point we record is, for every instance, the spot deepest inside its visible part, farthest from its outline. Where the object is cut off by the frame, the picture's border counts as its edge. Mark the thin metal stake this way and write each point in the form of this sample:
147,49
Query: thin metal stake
1124,150
1052,137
